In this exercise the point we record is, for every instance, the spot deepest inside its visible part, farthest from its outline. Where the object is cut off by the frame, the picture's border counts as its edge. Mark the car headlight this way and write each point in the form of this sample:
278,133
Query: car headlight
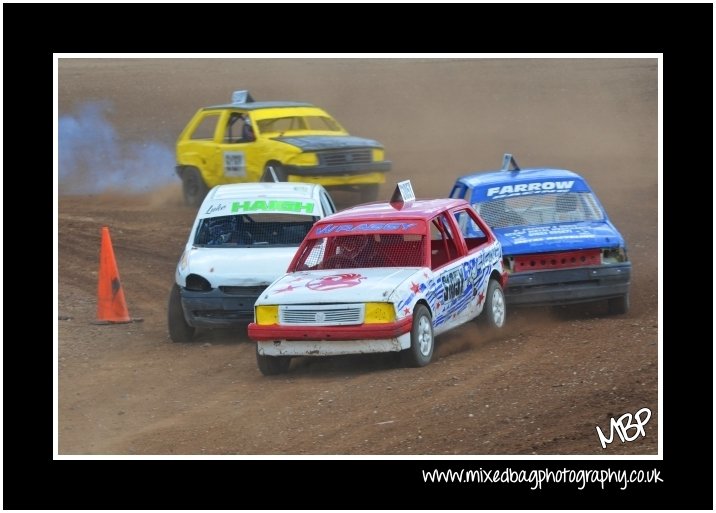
184,261
379,313
613,256
197,283
378,155
305,159
267,314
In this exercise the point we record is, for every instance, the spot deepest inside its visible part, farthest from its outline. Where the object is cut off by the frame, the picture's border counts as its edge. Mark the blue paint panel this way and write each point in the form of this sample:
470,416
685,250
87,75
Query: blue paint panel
492,178
524,240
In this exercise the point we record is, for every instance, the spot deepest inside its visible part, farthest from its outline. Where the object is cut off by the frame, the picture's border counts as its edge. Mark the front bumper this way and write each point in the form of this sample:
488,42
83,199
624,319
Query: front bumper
333,347
342,169
564,286
276,332
217,308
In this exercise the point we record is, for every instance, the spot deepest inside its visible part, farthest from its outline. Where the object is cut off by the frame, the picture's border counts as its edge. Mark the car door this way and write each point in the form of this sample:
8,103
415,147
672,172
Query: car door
447,261
236,154
197,145
480,258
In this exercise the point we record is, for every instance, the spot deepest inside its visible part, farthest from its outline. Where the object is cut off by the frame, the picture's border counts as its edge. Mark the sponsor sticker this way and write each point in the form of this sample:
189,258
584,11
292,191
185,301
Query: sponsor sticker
520,189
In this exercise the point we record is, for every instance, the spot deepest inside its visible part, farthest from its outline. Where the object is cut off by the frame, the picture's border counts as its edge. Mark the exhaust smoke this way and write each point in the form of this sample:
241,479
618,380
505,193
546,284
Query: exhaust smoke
94,158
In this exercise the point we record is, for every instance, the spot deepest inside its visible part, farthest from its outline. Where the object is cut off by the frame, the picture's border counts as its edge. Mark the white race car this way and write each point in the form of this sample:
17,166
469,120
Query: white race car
243,238
376,278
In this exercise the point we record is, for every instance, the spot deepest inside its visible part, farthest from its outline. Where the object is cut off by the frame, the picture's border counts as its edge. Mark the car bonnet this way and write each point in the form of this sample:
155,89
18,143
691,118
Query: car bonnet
239,266
520,240
336,286
328,142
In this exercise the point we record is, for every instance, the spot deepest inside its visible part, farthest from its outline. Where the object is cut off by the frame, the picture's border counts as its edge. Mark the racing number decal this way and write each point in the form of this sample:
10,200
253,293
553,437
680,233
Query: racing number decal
453,284
234,163
455,298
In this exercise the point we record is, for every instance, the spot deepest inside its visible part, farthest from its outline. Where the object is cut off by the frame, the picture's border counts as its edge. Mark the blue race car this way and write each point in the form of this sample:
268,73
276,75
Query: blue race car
558,243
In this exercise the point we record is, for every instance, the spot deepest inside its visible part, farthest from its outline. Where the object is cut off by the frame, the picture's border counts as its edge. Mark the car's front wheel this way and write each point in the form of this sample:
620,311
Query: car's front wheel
272,365
495,310
179,329
195,188
422,341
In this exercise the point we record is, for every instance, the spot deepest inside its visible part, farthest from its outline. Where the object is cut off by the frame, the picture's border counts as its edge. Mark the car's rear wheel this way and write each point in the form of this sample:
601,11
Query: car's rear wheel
272,365
495,309
618,305
422,341
274,172
369,192
179,329
195,188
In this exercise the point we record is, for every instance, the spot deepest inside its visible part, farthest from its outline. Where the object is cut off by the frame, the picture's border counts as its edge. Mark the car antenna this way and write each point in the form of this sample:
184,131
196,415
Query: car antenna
509,163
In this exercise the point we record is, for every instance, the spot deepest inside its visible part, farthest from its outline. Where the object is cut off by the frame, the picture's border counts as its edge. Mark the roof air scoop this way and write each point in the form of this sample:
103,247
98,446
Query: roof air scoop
509,163
403,195
241,96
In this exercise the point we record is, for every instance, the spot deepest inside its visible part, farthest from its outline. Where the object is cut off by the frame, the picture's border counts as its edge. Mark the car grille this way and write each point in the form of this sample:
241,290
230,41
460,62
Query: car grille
339,158
321,315
236,315
243,291
562,260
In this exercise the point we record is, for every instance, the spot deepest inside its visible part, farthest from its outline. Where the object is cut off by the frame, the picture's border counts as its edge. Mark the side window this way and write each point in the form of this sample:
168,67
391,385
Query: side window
281,124
460,191
593,211
443,249
234,125
327,204
238,129
206,128
320,123
468,223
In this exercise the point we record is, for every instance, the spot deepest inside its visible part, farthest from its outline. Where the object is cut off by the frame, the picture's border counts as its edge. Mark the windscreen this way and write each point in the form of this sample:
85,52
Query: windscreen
362,251
257,229
298,123
539,209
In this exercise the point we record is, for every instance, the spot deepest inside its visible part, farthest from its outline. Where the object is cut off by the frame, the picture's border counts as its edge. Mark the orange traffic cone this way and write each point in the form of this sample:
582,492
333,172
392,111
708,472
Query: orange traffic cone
111,306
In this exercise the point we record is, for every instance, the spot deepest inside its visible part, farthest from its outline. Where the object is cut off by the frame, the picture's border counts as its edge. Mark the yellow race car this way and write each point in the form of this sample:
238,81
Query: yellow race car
275,141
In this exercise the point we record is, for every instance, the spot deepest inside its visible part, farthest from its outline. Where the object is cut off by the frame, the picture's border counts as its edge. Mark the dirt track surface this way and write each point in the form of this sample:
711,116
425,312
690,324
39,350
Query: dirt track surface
541,387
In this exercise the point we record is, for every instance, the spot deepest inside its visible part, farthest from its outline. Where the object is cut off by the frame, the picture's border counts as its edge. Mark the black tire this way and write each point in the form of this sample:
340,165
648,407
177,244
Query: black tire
195,188
278,171
422,339
369,192
272,365
495,310
179,330
618,305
